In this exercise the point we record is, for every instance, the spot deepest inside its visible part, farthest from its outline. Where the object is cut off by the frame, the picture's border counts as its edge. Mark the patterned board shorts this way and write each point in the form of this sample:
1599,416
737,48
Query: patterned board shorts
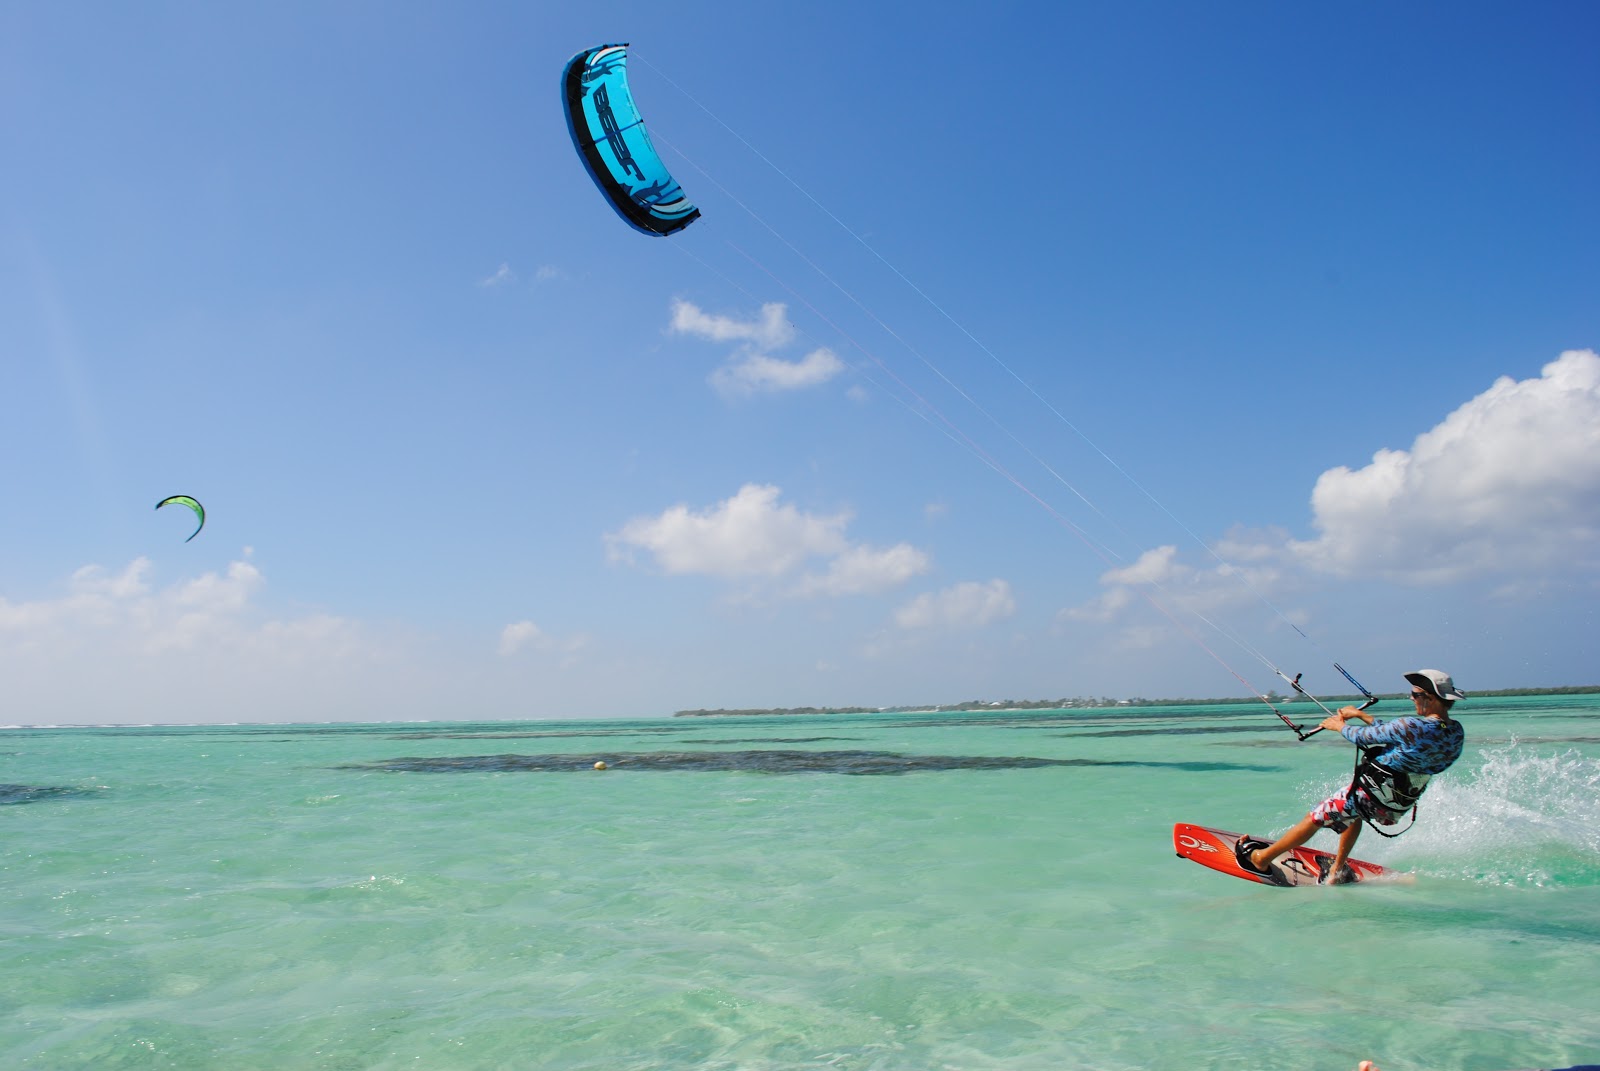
1338,812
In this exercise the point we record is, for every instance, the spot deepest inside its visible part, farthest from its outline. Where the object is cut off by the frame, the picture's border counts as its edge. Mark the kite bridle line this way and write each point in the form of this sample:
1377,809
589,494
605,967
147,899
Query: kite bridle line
924,408
931,413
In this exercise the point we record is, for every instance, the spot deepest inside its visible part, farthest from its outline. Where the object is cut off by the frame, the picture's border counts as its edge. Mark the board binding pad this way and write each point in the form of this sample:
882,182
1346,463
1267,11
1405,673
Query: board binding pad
1299,866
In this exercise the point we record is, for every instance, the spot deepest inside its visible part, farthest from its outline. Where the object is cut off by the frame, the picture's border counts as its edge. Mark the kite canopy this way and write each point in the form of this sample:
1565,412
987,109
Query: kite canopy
185,500
610,136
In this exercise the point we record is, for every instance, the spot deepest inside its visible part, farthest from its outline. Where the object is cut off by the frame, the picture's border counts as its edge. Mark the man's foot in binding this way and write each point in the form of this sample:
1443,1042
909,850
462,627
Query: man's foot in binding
1345,876
1244,852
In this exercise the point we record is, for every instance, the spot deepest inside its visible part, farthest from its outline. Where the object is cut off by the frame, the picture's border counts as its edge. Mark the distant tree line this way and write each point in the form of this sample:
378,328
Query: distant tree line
775,712
1575,689
1092,702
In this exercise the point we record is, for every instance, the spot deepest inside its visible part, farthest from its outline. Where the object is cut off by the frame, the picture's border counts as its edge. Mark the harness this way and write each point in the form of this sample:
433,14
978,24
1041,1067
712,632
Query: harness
1393,792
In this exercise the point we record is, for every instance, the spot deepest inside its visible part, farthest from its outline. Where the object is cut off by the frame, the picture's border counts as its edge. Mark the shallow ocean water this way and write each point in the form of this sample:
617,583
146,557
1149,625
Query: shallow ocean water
893,891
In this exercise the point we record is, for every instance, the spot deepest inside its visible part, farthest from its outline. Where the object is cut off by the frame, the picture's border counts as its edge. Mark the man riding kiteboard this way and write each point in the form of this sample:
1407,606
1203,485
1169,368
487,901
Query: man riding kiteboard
1398,758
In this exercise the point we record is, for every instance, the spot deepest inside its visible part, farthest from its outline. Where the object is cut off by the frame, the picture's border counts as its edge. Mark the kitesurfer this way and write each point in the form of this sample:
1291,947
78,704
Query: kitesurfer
1399,757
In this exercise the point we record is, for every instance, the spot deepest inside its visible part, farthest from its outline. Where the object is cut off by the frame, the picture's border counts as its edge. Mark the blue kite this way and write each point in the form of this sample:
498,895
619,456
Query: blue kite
616,150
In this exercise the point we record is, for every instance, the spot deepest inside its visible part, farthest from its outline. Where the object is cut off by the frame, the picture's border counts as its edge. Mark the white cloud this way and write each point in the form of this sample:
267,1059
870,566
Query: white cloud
1250,568
749,534
526,636
116,646
1506,488
755,535
501,277
759,374
121,645
518,635
769,330
752,369
124,613
1103,608
866,570
1507,483
1153,567
92,581
964,606
322,637
198,609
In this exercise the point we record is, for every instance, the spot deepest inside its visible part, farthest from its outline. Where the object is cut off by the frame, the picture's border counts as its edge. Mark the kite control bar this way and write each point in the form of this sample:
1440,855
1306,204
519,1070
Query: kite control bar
1305,734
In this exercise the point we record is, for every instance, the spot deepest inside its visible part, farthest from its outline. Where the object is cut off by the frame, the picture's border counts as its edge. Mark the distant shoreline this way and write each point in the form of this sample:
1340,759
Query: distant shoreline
1091,703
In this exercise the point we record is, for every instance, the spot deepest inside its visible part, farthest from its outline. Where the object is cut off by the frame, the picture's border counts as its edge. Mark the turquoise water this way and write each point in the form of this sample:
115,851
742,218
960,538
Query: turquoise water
765,893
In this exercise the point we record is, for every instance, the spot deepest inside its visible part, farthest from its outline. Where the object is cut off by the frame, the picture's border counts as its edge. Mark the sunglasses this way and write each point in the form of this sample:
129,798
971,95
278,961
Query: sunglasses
1415,694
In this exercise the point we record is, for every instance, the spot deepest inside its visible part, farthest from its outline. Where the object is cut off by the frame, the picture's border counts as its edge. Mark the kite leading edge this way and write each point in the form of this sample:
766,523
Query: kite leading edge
610,137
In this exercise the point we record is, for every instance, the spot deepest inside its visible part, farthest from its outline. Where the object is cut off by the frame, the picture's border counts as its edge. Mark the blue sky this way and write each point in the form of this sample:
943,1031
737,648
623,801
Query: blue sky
1051,350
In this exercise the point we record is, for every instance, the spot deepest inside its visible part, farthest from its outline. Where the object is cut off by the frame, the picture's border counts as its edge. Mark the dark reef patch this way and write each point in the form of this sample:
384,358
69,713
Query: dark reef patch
1057,719
10,794
851,763
1287,740
385,730
782,740
477,734
1176,730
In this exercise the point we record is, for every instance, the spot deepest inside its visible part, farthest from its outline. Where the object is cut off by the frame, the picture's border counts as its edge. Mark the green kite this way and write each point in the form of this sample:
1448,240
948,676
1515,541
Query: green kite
185,500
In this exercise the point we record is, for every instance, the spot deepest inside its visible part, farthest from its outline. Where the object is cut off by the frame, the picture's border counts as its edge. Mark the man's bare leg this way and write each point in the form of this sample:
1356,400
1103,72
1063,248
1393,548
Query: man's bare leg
1347,842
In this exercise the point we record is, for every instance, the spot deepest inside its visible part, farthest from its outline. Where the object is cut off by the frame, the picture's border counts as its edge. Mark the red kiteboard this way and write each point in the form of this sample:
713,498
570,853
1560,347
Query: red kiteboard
1299,866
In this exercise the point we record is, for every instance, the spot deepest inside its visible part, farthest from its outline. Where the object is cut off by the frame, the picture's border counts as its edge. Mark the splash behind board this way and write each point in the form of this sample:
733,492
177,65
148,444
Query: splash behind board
1214,848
